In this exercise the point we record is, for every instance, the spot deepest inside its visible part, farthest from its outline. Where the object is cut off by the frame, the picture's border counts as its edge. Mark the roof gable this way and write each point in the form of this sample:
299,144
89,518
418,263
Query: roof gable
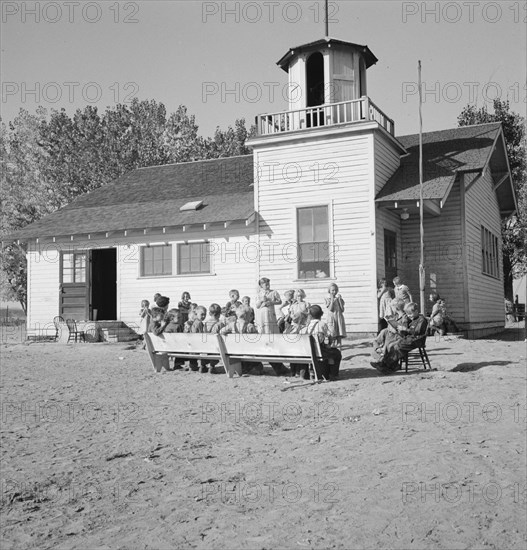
445,153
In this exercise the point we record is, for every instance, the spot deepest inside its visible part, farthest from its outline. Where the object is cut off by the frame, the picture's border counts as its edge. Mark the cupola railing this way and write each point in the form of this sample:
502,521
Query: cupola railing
329,114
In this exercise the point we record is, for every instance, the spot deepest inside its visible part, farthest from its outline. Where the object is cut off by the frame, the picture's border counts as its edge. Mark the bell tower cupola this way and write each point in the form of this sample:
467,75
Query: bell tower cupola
326,71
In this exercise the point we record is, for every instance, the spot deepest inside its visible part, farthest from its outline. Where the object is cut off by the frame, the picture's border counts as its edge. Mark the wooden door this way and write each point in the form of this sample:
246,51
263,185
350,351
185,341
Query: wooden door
74,295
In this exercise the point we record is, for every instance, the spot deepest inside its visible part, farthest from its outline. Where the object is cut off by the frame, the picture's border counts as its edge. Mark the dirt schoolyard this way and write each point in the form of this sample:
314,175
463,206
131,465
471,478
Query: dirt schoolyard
98,451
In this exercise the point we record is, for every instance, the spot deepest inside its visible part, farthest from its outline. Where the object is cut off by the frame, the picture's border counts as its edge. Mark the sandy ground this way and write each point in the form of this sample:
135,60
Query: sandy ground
98,451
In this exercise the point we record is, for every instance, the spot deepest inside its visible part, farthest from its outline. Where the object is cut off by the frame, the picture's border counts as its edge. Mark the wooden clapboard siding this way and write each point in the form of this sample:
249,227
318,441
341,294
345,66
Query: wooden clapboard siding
485,293
42,286
232,267
444,255
349,195
387,161
297,84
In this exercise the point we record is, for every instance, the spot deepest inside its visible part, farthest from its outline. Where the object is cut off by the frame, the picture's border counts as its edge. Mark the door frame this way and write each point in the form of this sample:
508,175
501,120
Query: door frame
90,279
87,282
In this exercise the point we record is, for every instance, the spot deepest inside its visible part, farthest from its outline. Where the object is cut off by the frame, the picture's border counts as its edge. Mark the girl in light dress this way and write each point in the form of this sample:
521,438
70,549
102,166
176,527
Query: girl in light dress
266,316
284,321
335,315
299,312
185,306
265,307
144,317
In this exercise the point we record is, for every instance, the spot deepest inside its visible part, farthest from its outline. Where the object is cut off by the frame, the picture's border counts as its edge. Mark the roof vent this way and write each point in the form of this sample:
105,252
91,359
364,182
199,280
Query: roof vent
193,205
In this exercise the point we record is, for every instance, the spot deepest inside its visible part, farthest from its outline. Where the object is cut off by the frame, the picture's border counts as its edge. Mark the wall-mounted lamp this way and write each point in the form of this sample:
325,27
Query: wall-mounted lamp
404,214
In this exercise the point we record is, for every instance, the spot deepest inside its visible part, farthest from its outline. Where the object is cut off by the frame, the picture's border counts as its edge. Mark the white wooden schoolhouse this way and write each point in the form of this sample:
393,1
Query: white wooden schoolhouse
330,194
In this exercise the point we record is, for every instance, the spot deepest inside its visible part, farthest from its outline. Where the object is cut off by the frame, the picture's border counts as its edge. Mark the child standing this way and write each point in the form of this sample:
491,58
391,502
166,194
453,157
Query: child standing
335,315
299,312
331,356
157,322
214,324
161,301
246,301
174,321
234,302
284,322
184,306
241,325
198,326
174,325
144,317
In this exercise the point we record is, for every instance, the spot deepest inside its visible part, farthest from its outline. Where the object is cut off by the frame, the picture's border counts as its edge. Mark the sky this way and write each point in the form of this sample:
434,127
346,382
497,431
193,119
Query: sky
219,58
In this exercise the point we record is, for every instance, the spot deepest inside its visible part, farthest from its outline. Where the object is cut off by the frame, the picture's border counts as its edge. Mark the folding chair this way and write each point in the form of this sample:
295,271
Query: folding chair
57,321
74,332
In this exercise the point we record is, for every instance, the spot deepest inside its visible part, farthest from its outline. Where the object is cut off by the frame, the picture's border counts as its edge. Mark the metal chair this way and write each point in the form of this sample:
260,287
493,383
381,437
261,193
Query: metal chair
74,332
57,321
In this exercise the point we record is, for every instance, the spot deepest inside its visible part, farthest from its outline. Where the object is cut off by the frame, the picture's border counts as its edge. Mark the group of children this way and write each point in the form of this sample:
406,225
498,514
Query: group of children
401,326
297,316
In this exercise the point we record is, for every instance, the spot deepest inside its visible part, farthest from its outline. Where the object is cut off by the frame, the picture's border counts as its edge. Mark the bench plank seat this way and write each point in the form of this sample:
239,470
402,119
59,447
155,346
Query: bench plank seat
182,345
272,348
233,349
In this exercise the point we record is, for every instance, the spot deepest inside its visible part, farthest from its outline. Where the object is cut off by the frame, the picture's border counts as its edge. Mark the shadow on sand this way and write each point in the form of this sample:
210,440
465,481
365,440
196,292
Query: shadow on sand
470,367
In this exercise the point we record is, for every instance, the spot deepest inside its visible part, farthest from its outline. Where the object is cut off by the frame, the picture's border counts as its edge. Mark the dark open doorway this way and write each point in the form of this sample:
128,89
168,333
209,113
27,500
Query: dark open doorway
315,80
315,89
104,284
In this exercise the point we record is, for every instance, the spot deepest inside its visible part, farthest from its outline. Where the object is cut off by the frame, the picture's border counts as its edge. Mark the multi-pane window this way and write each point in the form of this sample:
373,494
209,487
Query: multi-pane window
156,260
193,258
490,264
73,267
313,242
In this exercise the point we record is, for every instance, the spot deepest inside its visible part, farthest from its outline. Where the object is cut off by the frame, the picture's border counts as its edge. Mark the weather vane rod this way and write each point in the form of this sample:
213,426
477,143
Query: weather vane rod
327,19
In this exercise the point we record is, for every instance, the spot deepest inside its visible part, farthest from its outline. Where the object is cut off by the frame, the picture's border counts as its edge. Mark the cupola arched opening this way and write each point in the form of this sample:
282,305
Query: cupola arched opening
315,80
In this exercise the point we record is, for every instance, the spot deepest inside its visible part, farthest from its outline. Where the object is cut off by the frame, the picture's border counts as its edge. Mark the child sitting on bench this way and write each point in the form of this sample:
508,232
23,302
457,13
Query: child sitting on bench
331,357
241,325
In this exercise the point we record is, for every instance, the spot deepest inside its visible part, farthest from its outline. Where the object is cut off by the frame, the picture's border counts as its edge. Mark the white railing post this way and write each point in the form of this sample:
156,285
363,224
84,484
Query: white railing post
331,114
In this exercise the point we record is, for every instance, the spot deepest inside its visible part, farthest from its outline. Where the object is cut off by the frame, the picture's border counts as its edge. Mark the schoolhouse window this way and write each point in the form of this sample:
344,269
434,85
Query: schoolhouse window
490,264
313,243
193,258
73,267
156,260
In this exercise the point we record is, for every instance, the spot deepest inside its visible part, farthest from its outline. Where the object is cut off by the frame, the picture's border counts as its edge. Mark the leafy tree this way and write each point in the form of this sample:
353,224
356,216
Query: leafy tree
230,142
47,161
514,228
182,140
25,194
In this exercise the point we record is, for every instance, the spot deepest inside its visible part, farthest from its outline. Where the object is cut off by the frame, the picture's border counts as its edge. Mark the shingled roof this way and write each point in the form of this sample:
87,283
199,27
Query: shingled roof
151,198
284,61
445,153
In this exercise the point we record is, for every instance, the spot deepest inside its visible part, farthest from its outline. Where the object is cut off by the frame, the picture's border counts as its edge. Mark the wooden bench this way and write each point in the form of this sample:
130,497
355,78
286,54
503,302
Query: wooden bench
233,349
183,346
271,348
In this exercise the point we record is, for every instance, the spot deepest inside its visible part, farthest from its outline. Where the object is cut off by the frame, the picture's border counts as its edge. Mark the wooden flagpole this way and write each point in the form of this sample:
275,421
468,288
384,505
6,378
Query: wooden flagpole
422,273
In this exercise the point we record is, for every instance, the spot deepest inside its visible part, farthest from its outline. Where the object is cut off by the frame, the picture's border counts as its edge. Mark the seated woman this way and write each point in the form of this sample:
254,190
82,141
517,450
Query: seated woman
411,334
395,317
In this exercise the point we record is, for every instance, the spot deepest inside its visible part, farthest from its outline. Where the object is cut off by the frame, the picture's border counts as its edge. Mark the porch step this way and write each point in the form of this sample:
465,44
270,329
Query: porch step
118,334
